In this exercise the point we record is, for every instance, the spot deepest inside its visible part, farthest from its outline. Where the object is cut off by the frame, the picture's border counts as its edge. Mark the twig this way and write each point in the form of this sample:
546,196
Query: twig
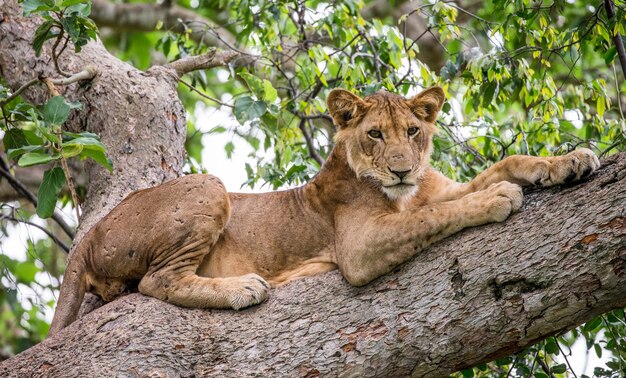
51,88
376,64
532,369
55,56
619,95
615,339
87,73
59,146
508,374
50,234
24,192
609,5
205,95
566,360
68,176
309,142
18,91
545,367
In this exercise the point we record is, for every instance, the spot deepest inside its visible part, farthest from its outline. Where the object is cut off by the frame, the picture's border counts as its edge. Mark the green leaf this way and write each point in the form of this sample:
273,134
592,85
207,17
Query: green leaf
31,6
34,158
559,369
593,324
32,137
87,142
489,93
53,181
601,105
42,34
69,3
217,130
76,27
609,55
247,109
14,138
229,148
99,157
55,111
14,153
255,84
269,93
551,347
25,272
72,150
598,349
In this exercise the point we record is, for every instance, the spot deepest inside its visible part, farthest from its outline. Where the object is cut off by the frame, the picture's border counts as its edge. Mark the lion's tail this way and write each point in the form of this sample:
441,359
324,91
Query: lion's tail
72,291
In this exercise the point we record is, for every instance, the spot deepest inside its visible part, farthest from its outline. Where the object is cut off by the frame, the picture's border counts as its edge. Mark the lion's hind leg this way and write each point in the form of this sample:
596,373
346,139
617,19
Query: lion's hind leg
185,239
190,290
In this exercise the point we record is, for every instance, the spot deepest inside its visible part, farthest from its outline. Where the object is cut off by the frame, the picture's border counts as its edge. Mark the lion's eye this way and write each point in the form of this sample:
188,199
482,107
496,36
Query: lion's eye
376,134
412,131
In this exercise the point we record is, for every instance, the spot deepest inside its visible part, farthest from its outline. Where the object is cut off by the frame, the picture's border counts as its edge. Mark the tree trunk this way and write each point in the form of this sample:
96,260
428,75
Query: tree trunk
138,115
483,293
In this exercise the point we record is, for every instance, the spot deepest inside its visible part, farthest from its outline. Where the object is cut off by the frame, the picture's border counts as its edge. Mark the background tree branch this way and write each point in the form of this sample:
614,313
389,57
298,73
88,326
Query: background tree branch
481,294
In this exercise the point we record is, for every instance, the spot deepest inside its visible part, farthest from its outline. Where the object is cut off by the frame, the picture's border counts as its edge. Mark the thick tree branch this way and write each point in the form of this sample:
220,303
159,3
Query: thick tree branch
481,294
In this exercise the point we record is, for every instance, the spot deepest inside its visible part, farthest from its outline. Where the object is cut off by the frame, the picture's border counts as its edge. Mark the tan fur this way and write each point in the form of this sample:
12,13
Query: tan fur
375,204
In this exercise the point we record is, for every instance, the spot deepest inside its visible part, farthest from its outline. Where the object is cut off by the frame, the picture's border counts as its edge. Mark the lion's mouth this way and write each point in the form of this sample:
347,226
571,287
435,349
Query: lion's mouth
400,185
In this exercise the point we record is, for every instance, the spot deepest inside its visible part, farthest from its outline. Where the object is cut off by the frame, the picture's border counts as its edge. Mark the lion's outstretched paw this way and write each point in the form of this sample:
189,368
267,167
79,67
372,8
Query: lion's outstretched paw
577,164
246,291
505,198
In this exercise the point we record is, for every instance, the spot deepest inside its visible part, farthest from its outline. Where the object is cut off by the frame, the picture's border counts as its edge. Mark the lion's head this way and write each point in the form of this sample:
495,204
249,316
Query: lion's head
388,138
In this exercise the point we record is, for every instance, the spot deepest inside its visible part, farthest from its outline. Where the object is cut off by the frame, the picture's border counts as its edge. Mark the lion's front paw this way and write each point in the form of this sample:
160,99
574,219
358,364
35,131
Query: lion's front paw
577,164
504,198
246,291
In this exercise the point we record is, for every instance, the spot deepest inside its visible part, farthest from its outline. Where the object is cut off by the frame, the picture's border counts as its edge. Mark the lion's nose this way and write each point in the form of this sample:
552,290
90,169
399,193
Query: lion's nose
401,174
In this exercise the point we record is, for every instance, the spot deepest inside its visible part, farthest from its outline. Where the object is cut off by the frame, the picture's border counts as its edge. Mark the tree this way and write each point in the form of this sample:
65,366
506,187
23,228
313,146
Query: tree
531,71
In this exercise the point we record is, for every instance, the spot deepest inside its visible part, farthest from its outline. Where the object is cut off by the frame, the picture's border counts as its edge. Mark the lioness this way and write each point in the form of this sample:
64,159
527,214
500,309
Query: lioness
374,204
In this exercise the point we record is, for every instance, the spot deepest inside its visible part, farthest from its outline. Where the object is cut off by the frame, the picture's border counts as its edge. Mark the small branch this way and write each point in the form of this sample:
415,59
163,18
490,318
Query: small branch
376,64
68,176
18,91
202,62
205,95
55,56
87,73
43,229
51,88
544,366
24,192
565,357
309,142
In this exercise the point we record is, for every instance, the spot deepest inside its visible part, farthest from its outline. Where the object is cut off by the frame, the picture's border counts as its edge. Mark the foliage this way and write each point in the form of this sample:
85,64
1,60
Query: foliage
26,289
64,20
522,76
552,357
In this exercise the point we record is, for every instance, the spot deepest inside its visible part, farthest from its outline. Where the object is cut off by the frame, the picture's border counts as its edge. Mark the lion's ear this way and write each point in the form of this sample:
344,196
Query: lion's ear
427,104
344,106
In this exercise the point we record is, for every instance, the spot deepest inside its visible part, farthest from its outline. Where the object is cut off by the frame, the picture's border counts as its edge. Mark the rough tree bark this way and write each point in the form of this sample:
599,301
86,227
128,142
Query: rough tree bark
484,293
